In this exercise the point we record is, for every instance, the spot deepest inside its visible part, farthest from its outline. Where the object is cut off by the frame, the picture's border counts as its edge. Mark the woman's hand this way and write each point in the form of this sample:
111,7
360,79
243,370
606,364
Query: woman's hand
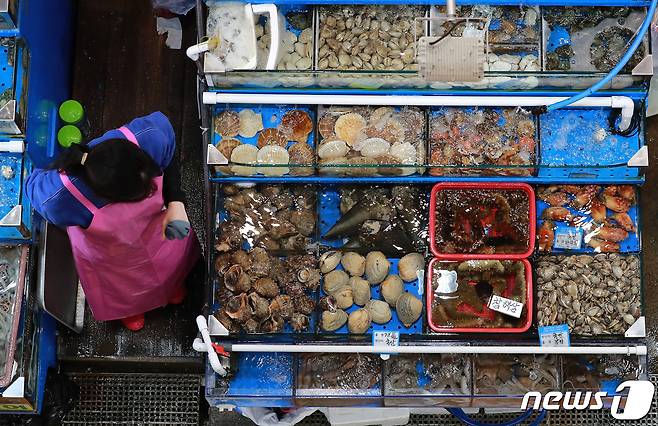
176,224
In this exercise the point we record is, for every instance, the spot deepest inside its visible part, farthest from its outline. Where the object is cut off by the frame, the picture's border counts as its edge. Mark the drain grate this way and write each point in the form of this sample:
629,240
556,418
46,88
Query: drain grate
136,399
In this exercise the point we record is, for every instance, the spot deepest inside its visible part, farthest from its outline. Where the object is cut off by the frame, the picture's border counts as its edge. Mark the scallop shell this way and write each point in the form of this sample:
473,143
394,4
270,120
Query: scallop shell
272,137
297,125
250,123
391,171
374,147
226,146
349,127
325,166
360,290
360,166
332,321
334,281
380,116
353,263
332,149
275,155
301,153
405,152
359,321
227,123
392,288
329,261
380,311
326,125
244,154
413,121
409,308
409,265
392,131
377,267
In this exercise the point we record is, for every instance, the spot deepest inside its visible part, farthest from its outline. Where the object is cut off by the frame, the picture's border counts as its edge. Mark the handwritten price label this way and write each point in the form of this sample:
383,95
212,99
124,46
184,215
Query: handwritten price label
568,238
388,339
506,306
554,336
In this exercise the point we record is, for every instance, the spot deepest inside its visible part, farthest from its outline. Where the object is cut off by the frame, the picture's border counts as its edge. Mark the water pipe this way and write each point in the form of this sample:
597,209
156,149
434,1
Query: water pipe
464,418
617,102
615,70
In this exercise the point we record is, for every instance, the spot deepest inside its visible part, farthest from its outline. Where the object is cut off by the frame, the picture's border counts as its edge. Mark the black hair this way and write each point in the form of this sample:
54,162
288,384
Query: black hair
115,169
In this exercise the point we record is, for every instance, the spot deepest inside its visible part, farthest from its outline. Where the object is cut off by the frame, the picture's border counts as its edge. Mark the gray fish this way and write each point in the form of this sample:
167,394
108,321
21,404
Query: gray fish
351,221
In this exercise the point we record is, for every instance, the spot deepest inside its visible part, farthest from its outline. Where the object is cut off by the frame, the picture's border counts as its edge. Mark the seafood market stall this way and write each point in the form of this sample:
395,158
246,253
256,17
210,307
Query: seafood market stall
382,237
35,48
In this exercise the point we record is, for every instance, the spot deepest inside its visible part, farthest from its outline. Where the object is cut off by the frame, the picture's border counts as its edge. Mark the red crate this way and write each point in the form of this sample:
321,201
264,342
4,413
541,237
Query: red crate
528,305
483,185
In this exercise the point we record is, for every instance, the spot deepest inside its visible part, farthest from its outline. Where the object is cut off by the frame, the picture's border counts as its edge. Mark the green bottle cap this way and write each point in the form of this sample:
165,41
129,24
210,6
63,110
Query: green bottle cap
69,135
71,111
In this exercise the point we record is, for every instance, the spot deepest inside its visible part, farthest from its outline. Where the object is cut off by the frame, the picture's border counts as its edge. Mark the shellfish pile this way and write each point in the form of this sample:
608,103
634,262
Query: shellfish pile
367,138
350,279
252,148
369,37
593,295
462,290
392,219
296,49
481,138
482,221
591,372
515,374
259,293
339,371
605,214
270,217
438,374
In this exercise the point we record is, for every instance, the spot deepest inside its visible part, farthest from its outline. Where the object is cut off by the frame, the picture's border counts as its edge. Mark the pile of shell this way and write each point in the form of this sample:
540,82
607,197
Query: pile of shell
507,62
365,138
448,374
271,217
275,147
259,293
594,295
296,51
477,138
369,37
351,284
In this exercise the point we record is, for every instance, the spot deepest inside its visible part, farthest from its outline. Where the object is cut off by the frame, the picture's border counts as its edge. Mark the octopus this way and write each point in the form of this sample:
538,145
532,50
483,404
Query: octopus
515,374
339,372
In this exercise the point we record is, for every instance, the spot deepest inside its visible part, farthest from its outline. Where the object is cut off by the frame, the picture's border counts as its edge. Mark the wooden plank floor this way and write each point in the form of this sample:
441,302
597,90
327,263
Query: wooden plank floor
124,70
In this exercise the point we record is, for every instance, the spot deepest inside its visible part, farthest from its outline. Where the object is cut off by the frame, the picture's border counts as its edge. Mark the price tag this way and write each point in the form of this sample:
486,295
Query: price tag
506,306
554,335
385,339
568,238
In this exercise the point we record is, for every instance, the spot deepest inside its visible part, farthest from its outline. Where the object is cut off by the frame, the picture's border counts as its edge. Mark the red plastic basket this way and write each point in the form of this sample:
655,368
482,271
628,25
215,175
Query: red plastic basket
532,220
439,329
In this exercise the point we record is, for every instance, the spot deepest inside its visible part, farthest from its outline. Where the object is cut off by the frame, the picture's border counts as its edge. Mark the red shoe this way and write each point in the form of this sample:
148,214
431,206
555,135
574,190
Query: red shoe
133,323
178,296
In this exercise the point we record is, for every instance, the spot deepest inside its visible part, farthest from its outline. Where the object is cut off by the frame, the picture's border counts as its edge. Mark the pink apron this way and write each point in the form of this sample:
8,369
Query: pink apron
125,264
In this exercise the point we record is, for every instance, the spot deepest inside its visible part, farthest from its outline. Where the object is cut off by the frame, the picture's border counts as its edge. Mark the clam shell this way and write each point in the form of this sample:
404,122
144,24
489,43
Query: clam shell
272,137
377,267
244,154
275,155
344,297
409,265
326,125
349,127
392,288
227,123
329,261
334,281
332,321
332,149
226,146
250,123
374,147
353,263
409,308
360,290
301,153
380,311
359,321
297,125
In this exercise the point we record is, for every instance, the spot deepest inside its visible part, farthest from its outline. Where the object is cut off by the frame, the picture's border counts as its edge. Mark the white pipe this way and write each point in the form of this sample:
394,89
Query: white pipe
13,146
212,355
195,50
275,31
625,103
434,349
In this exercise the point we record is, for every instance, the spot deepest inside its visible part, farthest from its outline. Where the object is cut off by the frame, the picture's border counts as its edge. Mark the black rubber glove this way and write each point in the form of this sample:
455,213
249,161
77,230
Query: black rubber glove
177,230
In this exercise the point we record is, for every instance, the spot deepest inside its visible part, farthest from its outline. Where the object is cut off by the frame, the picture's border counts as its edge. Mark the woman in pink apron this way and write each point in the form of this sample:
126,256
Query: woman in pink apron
119,198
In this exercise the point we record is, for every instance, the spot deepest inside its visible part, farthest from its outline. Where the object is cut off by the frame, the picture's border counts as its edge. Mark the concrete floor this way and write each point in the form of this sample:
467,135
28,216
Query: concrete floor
649,212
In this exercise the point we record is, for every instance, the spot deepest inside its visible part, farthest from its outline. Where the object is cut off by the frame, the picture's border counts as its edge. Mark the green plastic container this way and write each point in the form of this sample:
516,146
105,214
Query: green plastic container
68,135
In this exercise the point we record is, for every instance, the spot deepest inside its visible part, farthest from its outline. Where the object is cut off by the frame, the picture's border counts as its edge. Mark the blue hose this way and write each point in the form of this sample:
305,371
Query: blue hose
459,413
617,68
